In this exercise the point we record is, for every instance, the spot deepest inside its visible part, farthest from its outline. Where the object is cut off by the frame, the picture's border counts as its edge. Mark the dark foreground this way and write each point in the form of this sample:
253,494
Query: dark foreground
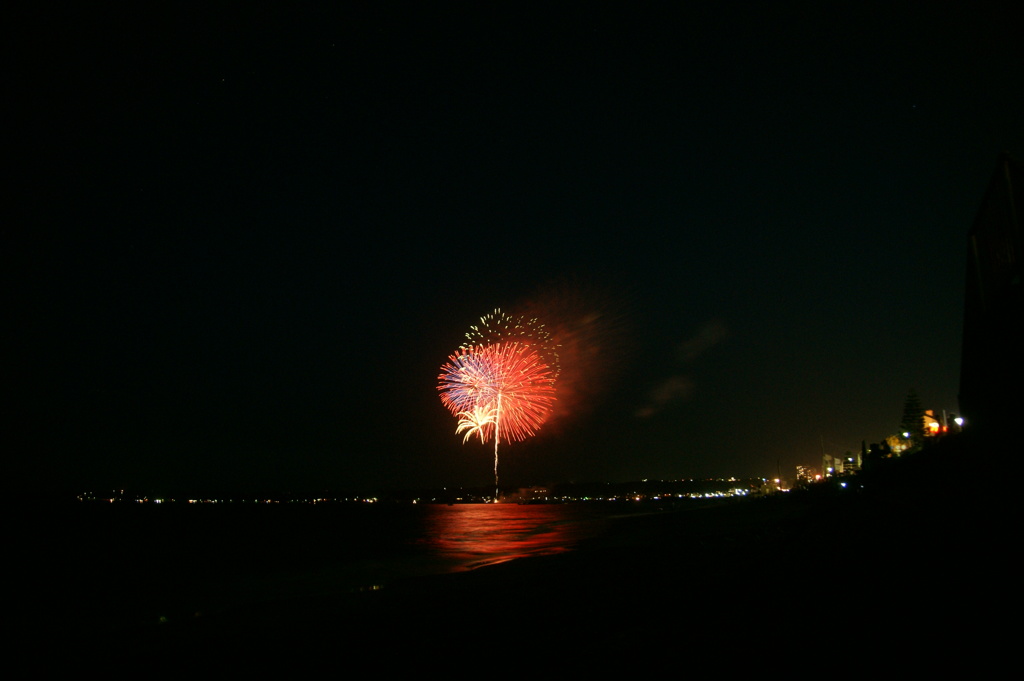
911,560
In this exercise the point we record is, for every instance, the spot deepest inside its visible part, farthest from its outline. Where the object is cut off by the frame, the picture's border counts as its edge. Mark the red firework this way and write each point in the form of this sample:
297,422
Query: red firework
504,389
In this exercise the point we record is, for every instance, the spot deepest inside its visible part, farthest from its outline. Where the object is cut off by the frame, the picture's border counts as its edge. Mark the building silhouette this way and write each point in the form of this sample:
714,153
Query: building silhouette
991,360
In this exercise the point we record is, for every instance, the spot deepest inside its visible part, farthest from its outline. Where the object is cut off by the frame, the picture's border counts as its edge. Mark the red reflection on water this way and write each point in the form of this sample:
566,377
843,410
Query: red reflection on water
473,535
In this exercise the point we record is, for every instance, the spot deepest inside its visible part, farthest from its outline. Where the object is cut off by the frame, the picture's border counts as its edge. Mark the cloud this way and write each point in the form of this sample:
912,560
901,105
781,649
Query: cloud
708,336
680,386
672,388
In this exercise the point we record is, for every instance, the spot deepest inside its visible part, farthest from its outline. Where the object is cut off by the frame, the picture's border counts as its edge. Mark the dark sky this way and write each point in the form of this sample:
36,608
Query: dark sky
251,236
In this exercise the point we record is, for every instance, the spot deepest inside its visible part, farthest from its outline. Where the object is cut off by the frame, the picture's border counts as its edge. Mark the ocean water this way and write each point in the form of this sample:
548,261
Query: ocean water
118,566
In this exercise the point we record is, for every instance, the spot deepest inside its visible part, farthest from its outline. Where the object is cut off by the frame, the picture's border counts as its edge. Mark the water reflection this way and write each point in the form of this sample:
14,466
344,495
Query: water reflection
471,535
220,560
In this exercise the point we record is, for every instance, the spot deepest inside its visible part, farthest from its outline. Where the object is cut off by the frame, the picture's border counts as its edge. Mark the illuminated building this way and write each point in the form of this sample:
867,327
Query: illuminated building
897,444
932,425
806,474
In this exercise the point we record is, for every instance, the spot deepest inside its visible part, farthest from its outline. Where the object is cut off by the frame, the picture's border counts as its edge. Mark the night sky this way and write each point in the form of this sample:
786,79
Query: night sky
247,239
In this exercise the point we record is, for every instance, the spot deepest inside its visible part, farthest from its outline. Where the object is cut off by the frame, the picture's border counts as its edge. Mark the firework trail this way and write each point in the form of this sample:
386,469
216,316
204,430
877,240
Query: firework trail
500,389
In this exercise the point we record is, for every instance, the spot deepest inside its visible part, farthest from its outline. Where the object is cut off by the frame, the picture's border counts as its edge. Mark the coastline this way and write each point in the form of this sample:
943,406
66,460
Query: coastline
905,551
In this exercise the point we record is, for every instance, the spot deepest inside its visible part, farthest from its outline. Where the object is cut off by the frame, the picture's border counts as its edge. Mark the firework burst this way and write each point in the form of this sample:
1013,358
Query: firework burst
501,327
503,389
509,378
477,421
